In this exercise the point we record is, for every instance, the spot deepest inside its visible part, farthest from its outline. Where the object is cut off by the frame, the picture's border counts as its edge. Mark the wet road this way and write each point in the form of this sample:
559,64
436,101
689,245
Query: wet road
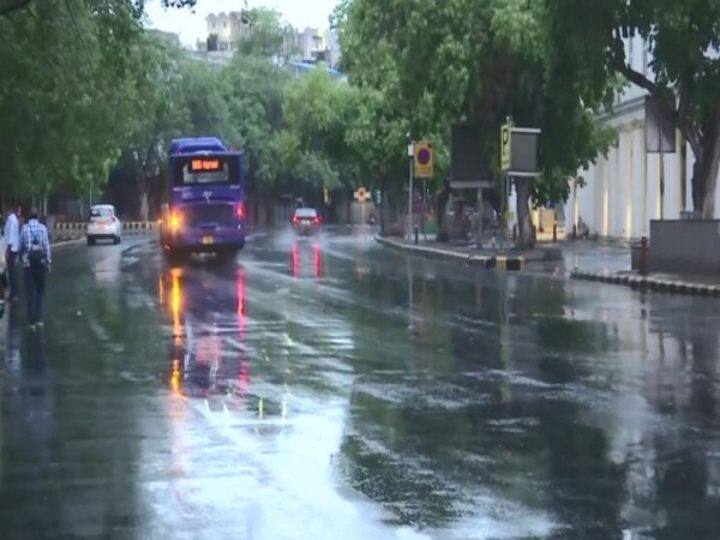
331,389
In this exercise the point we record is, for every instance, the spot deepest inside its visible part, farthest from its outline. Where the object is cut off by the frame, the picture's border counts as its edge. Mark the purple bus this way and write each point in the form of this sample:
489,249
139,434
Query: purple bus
205,210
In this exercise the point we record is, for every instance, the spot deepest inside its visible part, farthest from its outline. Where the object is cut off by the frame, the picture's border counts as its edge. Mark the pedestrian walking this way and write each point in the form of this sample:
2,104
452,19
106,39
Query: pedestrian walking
36,258
3,278
12,248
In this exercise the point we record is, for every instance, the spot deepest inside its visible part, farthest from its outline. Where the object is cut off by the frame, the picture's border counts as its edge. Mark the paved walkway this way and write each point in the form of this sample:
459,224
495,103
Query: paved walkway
585,260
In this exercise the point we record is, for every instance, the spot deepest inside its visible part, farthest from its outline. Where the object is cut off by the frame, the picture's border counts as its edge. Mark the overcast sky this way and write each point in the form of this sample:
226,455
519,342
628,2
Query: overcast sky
190,24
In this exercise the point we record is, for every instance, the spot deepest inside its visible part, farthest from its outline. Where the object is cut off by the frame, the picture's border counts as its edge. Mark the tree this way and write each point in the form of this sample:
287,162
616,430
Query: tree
269,36
317,112
63,99
376,137
682,40
445,61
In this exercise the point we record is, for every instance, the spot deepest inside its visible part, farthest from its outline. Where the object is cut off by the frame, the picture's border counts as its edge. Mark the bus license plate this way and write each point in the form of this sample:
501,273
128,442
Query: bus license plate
208,240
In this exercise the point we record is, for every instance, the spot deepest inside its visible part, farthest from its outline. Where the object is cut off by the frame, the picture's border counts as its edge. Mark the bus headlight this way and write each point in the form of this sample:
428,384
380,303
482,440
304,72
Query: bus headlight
176,221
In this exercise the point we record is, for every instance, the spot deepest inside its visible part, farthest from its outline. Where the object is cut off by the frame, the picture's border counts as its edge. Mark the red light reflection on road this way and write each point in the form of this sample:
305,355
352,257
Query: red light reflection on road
296,260
317,261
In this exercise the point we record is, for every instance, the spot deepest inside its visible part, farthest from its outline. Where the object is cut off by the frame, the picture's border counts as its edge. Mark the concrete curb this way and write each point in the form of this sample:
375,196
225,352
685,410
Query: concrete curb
500,262
649,283
129,226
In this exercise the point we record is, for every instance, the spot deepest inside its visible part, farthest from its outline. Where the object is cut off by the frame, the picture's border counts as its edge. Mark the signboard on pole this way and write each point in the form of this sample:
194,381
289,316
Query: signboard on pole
469,166
505,147
424,159
660,131
518,151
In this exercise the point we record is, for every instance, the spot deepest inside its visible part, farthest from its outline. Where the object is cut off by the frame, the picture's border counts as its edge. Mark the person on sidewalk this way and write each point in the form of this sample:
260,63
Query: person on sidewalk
36,257
12,248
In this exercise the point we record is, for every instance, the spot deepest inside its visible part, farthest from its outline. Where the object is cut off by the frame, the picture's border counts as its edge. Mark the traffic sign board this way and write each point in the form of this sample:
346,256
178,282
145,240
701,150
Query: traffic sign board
361,195
424,159
505,147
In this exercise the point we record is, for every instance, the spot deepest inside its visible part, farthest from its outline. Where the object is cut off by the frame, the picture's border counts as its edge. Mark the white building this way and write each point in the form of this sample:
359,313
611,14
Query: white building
225,30
308,43
622,190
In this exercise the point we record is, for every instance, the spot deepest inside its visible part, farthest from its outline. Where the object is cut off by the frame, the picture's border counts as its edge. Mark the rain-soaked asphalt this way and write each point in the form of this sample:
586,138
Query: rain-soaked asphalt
327,388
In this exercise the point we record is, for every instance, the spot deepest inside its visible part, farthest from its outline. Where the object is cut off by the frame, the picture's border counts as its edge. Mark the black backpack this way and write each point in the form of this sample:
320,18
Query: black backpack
36,256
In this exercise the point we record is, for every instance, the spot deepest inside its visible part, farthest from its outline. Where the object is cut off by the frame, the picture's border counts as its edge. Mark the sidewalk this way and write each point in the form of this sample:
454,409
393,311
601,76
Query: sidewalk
610,263
466,253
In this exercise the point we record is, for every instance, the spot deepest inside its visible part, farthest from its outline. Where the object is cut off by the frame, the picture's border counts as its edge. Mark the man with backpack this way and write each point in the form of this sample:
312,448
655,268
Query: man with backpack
35,253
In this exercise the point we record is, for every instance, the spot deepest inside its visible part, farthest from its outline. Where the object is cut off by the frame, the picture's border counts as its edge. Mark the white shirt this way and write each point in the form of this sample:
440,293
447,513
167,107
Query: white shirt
12,232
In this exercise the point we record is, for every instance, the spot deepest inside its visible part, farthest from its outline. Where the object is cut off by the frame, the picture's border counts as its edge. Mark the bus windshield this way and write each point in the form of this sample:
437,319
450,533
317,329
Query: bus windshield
205,170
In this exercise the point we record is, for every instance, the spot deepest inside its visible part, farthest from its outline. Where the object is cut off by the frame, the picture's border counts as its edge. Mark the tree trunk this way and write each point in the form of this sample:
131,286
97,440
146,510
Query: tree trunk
383,204
480,218
442,202
144,206
705,170
526,231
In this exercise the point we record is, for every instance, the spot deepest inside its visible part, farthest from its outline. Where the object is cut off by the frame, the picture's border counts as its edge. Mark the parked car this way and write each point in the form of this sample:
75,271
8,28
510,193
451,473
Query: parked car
104,224
306,221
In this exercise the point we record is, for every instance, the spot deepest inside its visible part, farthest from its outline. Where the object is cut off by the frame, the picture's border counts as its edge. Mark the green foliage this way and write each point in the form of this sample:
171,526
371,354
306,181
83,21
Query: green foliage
440,62
63,96
268,35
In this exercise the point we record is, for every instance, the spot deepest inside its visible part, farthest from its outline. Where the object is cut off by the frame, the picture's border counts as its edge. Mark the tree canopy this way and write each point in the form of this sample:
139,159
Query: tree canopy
441,62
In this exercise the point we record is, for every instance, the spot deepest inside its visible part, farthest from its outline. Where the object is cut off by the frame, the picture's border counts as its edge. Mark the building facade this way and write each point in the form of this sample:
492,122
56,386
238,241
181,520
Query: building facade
622,191
225,30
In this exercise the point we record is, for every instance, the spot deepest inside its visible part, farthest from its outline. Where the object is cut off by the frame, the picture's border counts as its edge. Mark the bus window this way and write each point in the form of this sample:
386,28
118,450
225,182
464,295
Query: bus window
204,170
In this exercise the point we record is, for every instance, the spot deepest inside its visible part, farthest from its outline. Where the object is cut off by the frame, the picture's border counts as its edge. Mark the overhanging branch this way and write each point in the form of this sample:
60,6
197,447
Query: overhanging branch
14,7
665,98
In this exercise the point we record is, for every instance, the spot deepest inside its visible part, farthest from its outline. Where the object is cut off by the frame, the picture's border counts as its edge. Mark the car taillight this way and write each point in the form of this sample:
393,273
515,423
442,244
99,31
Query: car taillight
240,210
317,220
296,219
176,220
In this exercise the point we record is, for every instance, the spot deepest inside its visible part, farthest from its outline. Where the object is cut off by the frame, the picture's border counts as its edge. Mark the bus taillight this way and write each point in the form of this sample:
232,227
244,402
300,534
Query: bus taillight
240,210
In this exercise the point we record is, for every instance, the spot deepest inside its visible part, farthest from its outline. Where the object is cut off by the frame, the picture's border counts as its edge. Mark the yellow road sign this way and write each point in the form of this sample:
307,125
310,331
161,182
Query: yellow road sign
505,147
424,159
361,195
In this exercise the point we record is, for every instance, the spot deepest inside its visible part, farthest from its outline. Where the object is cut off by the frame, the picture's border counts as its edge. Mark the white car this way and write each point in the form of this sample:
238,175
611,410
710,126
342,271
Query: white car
104,224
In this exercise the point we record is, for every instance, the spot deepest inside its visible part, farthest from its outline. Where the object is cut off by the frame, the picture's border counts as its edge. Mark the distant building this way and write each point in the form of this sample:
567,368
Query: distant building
225,30
307,44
